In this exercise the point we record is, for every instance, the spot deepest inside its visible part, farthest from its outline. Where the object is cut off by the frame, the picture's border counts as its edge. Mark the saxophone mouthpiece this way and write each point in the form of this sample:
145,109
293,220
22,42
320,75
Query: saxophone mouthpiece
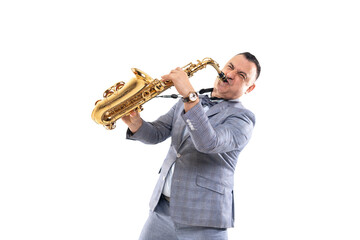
222,77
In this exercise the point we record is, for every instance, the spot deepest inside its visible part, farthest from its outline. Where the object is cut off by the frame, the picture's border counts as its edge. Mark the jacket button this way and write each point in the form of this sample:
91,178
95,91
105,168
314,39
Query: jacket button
178,155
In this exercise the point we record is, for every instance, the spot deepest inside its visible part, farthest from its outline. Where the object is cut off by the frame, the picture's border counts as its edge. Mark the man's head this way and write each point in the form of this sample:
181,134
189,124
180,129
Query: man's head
241,71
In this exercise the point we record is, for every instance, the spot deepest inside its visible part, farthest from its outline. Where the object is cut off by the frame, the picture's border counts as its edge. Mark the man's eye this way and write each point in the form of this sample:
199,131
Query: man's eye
242,76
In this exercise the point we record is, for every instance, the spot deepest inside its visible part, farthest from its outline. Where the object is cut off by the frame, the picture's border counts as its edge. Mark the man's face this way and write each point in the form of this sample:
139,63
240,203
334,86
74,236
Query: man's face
241,74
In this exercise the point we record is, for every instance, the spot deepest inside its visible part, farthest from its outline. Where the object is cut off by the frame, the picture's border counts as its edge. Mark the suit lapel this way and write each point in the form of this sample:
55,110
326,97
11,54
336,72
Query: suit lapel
179,132
186,135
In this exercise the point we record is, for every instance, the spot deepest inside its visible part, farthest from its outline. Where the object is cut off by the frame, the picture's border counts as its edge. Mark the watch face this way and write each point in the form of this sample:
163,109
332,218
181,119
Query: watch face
192,97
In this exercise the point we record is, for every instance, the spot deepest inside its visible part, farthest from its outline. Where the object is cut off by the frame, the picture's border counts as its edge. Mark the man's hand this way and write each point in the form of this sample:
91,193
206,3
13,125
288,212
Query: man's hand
134,121
181,81
182,84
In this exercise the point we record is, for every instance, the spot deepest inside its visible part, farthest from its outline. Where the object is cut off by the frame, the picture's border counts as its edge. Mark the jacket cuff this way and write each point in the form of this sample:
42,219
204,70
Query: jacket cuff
194,116
142,131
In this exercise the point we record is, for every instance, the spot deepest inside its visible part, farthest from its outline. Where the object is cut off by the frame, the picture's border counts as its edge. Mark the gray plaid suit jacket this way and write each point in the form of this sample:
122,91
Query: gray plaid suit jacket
206,157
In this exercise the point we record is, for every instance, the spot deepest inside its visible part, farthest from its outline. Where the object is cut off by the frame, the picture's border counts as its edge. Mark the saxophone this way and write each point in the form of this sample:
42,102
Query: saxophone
121,99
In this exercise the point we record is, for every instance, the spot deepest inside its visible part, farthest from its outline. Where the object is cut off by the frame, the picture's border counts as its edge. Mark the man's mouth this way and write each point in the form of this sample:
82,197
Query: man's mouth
225,83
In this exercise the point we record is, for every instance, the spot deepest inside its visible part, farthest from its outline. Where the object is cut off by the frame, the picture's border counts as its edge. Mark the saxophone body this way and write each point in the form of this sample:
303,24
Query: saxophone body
121,99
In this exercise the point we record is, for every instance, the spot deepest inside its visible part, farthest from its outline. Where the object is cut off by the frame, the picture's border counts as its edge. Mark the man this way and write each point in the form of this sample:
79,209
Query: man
193,198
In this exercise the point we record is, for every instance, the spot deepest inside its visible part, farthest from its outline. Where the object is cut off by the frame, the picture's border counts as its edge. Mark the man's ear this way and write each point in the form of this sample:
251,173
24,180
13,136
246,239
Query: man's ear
250,88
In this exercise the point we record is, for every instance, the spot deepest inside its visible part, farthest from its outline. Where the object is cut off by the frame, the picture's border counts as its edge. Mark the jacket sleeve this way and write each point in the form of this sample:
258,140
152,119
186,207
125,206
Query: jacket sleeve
233,133
154,132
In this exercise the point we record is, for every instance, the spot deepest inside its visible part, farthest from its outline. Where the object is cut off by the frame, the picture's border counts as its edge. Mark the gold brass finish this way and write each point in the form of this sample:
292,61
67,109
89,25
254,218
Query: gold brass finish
121,99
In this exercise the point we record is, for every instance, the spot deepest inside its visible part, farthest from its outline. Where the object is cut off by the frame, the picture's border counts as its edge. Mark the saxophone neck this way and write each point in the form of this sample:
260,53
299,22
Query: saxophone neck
192,68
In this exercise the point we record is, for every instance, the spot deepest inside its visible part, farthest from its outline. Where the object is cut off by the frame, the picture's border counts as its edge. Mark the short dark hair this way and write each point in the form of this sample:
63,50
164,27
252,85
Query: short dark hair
253,59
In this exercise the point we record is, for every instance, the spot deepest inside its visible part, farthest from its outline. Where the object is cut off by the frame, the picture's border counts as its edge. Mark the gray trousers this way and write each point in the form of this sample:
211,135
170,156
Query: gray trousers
159,226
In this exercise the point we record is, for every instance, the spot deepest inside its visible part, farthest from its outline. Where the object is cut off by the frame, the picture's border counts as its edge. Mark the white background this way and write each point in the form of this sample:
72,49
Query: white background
64,177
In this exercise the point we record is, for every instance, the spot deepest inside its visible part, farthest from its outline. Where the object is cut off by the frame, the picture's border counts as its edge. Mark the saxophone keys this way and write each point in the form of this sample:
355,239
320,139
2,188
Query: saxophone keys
139,108
108,93
110,126
146,95
119,85
159,86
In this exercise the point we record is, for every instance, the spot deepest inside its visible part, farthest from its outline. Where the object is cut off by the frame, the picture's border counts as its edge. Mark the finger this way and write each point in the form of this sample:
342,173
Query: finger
134,115
126,119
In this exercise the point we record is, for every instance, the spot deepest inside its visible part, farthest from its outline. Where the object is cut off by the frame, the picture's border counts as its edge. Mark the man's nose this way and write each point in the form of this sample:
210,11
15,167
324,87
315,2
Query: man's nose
230,74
